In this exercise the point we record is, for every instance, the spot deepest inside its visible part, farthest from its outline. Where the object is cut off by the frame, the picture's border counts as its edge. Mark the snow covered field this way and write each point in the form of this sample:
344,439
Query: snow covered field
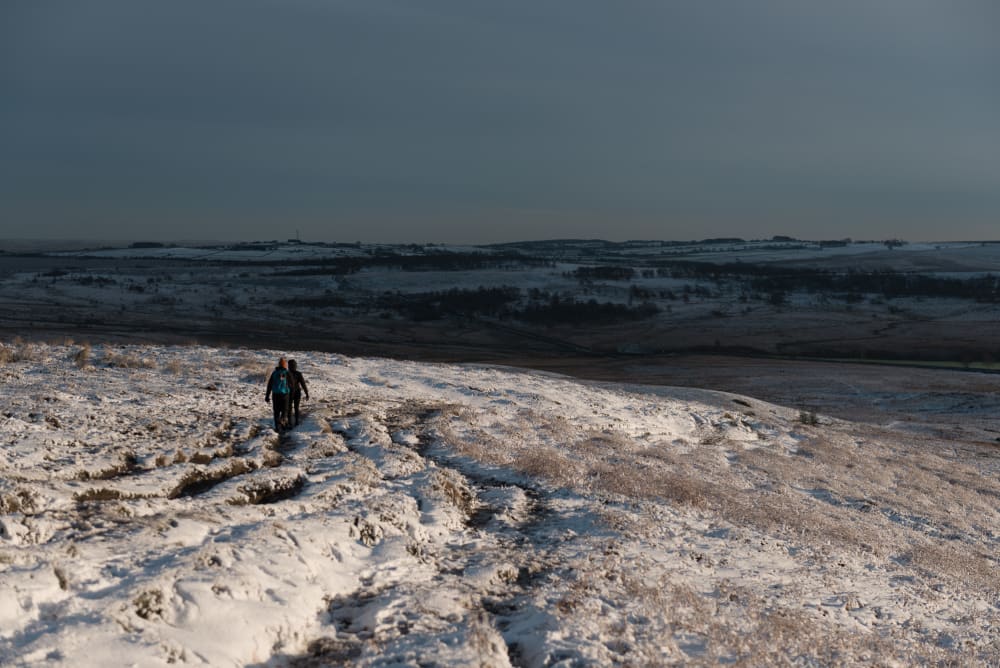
466,515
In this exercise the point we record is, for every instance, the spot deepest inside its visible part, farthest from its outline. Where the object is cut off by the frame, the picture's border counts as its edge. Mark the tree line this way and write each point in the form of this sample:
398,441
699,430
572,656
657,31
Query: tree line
442,261
507,302
886,283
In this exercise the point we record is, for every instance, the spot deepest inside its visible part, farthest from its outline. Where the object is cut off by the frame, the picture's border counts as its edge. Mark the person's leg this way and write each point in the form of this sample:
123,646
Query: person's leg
296,399
276,404
285,406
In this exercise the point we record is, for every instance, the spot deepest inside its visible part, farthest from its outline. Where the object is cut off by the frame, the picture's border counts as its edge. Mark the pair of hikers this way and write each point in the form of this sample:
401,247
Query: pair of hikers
286,386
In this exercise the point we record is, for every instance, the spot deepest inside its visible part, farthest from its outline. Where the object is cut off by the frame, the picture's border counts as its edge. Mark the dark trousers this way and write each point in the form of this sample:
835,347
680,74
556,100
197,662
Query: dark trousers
280,403
296,398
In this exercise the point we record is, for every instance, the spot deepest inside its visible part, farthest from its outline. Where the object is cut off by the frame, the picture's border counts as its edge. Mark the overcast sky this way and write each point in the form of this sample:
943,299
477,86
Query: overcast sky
470,121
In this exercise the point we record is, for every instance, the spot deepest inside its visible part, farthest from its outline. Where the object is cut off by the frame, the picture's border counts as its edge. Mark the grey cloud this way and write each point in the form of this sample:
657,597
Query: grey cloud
758,115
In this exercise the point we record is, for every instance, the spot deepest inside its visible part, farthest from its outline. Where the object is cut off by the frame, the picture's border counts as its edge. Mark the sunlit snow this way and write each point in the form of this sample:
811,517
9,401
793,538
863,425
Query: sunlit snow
464,515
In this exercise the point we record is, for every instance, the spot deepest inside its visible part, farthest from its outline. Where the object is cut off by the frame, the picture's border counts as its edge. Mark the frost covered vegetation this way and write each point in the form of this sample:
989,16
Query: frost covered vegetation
471,515
909,302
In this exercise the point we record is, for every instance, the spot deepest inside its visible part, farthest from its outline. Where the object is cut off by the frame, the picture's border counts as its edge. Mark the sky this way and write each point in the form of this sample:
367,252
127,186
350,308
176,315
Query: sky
466,121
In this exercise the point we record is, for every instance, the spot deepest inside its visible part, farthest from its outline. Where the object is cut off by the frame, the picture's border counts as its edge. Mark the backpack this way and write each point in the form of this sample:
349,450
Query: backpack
280,381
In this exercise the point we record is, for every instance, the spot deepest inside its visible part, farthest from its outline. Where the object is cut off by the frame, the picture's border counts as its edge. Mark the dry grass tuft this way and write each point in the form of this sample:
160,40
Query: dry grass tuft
549,464
957,563
18,351
245,361
149,604
687,490
452,486
272,458
485,638
21,500
201,458
81,358
258,492
173,366
103,494
361,470
127,361
254,371
224,452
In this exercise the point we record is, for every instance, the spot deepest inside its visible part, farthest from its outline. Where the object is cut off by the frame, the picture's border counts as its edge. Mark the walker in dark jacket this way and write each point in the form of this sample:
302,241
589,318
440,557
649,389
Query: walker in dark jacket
298,387
279,386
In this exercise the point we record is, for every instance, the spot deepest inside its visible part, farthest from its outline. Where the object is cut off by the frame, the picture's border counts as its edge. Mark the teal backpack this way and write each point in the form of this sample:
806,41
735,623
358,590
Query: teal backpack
280,385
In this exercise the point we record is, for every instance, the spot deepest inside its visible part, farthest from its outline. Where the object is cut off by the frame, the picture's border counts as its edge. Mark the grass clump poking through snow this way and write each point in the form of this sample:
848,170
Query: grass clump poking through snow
809,418
270,490
81,358
201,458
127,360
149,604
254,371
103,494
18,501
18,351
451,485
173,366
549,464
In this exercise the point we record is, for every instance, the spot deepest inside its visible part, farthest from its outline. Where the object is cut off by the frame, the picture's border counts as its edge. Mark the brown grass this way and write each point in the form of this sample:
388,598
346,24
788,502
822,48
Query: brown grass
733,625
957,563
21,500
103,494
450,485
549,464
149,604
81,358
127,360
272,458
268,491
361,470
18,351
173,366
201,458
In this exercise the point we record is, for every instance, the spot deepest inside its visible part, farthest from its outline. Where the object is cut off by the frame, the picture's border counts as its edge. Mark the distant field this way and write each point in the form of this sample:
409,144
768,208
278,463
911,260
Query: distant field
991,367
918,303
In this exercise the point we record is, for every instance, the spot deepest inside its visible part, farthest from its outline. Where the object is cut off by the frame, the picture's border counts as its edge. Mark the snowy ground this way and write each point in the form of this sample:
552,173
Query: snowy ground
457,515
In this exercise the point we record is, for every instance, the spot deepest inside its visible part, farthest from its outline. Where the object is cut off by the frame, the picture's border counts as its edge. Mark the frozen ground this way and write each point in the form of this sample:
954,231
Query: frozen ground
467,515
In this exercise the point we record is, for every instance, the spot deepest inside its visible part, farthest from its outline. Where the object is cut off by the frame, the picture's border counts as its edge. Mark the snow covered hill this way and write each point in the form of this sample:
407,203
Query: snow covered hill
461,515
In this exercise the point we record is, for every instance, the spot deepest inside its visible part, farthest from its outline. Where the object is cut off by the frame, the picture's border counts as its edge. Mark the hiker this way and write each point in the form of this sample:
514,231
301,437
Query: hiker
279,387
298,387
